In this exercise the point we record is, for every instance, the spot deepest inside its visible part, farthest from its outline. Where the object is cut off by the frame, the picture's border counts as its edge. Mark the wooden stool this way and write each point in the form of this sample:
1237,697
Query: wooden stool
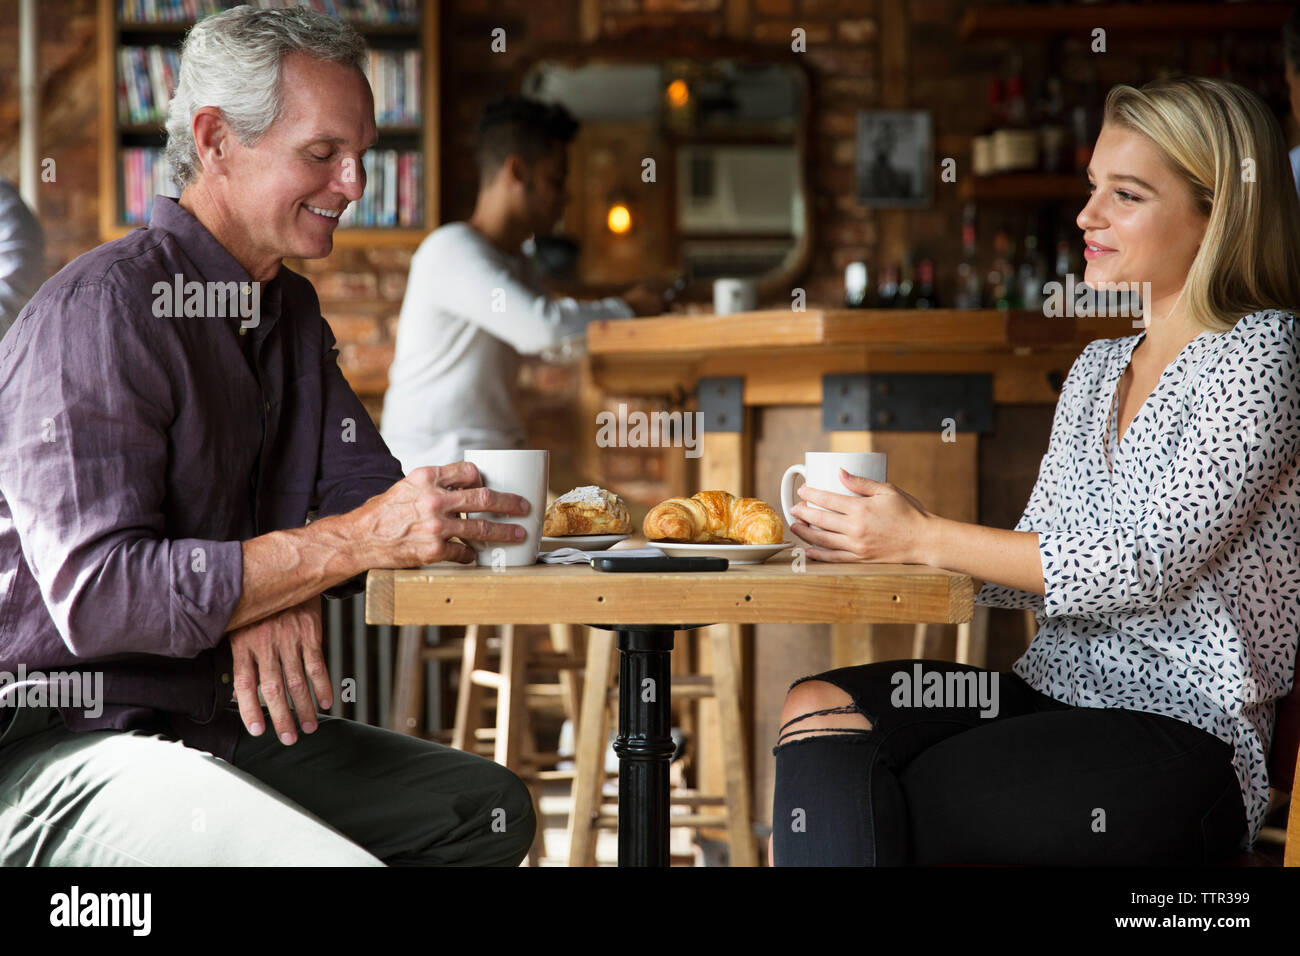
509,741
972,639
854,644
408,692
593,739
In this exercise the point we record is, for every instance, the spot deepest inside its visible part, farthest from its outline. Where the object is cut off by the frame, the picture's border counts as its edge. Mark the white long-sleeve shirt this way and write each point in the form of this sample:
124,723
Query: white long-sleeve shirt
469,312
1171,558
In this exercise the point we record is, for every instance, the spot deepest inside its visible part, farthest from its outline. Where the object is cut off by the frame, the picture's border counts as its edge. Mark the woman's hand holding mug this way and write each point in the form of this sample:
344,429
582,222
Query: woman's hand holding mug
875,522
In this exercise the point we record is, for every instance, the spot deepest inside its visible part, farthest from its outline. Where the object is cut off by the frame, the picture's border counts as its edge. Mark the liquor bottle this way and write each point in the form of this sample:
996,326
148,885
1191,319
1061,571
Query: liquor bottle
856,290
1001,278
1081,133
1051,132
1031,276
1015,145
1061,269
926,295
982,144
1063,272
968,276
1083,125
905,298
887,291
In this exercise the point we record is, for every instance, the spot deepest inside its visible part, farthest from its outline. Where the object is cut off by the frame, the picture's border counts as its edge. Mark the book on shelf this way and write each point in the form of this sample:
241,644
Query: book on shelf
392,195
146,77
395,81
145,174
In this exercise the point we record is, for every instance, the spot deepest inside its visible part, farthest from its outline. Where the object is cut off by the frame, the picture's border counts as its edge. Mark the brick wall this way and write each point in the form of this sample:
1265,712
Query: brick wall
69,128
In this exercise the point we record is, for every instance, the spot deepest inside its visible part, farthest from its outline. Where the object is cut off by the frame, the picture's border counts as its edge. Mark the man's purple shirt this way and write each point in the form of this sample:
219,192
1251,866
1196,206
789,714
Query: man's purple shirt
137,452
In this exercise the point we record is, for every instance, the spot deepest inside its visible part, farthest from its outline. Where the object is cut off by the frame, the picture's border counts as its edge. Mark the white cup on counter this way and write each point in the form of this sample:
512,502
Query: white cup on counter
821,469
522,472
734,295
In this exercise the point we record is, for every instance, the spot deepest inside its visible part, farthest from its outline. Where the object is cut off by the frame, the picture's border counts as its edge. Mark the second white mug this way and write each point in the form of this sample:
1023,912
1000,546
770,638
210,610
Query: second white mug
821,469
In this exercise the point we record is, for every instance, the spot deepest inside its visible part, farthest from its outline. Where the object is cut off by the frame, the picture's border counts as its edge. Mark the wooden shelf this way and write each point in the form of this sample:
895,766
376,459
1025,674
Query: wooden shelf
1006,20
1024,187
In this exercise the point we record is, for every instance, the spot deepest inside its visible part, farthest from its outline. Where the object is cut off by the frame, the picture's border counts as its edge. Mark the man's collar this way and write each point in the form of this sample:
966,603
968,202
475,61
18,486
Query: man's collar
213,260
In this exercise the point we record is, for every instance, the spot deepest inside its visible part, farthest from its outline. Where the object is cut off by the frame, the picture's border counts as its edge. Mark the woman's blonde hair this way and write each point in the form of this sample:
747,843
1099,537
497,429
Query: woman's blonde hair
1225,143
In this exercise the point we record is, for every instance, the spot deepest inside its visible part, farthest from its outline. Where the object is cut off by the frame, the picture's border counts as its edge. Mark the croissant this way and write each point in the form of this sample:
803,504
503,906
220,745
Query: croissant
714,517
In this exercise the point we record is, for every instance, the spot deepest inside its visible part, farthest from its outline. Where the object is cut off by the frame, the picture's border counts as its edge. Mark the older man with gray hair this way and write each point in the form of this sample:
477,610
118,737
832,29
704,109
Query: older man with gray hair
162,449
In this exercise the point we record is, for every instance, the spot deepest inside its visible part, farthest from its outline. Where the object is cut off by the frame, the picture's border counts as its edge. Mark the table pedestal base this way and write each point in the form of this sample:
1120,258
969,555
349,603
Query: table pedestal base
644,744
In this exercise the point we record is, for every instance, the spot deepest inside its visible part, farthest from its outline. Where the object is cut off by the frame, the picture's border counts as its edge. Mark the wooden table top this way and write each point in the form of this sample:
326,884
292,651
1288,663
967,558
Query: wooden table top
578,594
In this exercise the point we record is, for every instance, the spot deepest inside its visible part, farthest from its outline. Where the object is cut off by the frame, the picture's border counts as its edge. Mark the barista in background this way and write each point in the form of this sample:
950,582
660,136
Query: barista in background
22,255
474,303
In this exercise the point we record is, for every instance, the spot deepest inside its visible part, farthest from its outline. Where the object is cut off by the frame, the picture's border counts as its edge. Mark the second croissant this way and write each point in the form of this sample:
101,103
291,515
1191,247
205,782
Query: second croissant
714,517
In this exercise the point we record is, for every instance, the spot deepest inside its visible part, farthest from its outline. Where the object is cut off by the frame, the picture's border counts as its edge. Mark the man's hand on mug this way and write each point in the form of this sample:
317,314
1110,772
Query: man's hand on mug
278,653
886,525
413,522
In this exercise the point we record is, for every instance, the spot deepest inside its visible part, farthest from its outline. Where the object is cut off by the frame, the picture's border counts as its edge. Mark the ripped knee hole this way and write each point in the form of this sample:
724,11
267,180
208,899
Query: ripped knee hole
846,709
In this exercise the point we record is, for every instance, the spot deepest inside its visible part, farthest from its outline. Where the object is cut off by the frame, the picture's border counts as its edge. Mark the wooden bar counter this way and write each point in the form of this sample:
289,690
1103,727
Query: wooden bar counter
765,381
783,354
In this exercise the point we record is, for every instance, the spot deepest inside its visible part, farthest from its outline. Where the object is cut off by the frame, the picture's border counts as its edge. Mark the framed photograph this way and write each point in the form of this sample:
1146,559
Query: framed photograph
895,158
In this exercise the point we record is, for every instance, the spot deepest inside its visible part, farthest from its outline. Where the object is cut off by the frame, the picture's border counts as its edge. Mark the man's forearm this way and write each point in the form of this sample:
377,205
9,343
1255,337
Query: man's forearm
285,568
1008,558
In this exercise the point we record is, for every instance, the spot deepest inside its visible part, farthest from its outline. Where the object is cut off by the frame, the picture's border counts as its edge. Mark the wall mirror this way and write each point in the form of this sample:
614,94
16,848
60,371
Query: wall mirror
691,168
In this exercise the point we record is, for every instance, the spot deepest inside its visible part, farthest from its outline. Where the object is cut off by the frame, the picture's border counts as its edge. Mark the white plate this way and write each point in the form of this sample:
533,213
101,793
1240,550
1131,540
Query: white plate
735,553
583,542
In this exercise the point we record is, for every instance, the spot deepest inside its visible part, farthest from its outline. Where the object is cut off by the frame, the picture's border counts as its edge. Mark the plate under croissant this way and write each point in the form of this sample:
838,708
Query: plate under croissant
735,553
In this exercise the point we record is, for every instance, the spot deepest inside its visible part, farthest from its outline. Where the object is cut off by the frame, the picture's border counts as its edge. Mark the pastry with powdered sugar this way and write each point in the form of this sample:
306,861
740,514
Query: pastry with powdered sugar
587,510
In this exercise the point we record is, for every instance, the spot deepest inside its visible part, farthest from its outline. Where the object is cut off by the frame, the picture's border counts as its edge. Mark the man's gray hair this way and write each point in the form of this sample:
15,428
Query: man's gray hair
232,61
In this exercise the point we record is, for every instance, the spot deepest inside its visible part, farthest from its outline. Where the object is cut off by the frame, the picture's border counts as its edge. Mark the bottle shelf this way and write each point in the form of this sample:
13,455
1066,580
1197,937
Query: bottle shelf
1024,187
1008,20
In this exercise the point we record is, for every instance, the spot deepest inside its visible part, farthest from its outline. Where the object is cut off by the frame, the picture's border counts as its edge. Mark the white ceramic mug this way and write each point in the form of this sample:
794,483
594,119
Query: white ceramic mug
521,472
821,469
734,295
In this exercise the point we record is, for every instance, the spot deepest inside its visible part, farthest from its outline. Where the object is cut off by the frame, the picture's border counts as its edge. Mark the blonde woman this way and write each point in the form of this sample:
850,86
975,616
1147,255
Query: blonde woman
1160,550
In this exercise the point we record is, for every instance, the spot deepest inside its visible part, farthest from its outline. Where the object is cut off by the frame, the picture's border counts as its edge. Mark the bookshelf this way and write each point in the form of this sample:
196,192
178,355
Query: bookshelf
119,137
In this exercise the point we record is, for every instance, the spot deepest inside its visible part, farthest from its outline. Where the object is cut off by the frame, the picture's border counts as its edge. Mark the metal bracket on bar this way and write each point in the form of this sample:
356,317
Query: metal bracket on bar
722,402
907,402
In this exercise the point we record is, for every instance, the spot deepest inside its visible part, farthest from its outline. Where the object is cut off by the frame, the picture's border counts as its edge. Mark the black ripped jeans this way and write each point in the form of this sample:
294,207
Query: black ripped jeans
976,766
